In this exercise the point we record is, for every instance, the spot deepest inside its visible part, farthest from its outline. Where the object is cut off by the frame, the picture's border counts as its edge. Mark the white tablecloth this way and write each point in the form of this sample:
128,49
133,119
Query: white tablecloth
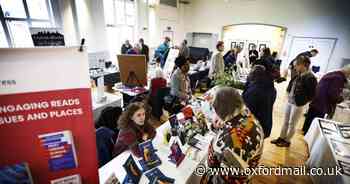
111,100
182,174
322,154
342,112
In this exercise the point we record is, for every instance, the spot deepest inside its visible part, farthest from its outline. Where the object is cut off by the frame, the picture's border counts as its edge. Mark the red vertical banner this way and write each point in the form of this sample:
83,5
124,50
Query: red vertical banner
46,127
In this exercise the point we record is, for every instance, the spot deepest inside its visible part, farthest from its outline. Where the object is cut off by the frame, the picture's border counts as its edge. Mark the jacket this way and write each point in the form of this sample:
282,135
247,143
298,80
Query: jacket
305,88
180,85
272,72
217,66
328,92
125,48
238,144
131,137
145,51
292,63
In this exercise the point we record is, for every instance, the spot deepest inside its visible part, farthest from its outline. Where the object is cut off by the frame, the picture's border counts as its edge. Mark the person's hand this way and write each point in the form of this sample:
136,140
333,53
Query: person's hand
217,123
281,79
145,137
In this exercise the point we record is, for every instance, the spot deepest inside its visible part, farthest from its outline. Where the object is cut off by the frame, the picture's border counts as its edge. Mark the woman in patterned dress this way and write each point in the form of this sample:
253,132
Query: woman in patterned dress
239,140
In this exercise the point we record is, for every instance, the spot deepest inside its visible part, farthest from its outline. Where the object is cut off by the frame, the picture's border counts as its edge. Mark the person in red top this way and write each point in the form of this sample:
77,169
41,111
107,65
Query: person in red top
157,82
134,129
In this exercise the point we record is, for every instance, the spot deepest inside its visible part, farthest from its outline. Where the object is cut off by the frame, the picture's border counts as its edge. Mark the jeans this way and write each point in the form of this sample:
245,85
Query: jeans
292,115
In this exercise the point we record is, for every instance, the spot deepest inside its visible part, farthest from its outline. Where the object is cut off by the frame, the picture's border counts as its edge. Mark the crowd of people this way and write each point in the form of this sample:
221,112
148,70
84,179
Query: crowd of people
244,120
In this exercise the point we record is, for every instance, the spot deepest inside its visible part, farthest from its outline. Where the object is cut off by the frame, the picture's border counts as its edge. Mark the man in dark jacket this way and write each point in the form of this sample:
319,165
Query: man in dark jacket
125,47
259,96
301,90
291,66
144,49
328,95
253,55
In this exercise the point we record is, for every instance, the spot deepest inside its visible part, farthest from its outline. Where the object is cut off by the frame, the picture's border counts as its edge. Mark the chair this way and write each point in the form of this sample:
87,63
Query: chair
109,117
105,143
157,102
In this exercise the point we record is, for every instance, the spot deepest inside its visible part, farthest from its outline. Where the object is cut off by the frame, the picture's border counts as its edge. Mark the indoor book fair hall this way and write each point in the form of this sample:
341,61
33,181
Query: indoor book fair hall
175,92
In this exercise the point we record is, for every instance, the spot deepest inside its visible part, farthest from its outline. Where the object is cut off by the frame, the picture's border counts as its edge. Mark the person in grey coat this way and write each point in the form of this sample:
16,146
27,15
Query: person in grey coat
184,50
180,83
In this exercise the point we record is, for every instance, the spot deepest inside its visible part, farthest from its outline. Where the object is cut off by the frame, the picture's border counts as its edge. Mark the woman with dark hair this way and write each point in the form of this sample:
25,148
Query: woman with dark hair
134,129
259,96
239,141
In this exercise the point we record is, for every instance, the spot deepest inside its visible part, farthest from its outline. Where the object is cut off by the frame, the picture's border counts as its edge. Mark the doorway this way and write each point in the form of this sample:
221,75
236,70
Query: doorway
249,34
325,47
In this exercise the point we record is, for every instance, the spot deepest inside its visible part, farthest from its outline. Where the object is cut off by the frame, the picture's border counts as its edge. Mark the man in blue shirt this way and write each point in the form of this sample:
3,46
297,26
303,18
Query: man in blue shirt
162,50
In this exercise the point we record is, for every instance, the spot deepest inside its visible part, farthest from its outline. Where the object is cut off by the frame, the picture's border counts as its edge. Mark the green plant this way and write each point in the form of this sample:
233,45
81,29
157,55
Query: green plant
227,79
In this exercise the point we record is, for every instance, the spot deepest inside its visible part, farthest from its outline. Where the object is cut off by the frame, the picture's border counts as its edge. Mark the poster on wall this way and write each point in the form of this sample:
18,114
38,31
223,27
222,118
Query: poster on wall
46,115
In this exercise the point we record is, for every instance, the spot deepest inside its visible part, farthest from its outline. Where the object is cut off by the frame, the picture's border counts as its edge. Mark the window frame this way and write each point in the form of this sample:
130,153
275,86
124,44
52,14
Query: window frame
120,26
28,19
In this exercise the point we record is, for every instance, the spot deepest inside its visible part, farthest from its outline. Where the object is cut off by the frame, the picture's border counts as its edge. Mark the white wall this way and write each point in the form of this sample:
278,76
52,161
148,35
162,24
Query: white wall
68,22
156,19
87,21
308,18
91,25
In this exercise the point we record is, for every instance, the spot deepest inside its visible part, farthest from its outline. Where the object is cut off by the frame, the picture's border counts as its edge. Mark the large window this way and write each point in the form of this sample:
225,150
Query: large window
120,17
17,16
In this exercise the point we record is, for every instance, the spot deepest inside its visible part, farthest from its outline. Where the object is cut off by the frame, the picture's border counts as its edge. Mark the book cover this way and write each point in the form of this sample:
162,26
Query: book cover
149,157
174,123
176,156
157,177
60,150
16,173
73,179
112,179
188,112
344,130
133,173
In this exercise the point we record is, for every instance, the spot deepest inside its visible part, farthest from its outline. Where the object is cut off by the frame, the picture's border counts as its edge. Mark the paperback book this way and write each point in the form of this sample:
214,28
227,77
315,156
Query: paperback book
133,173
155,176
16,173
149,157
60,150
73,179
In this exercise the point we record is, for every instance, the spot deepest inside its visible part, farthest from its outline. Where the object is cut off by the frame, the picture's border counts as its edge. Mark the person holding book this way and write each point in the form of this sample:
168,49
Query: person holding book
134,129
239,140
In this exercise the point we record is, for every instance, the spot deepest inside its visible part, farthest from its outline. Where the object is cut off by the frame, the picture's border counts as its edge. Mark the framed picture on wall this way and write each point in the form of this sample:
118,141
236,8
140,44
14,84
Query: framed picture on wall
241,45
233,45
262,46
169,34
251,45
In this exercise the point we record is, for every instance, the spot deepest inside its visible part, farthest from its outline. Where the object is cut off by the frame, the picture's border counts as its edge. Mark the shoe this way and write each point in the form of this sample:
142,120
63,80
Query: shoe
283,143
275,141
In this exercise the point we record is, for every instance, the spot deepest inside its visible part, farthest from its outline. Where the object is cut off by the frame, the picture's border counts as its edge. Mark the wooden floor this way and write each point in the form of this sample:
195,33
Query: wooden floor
294,156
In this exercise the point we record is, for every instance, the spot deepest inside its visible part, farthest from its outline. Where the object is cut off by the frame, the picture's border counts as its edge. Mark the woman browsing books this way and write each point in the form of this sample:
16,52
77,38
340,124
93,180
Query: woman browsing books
134,129
239,140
